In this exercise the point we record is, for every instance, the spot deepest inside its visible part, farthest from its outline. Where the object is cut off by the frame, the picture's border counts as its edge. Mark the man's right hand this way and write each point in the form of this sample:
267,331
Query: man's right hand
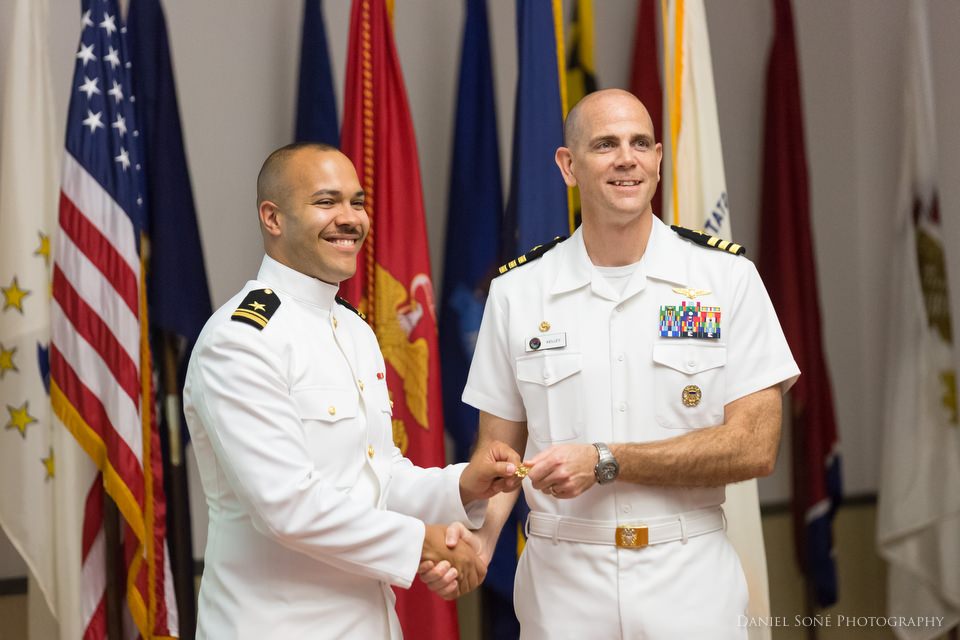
451,563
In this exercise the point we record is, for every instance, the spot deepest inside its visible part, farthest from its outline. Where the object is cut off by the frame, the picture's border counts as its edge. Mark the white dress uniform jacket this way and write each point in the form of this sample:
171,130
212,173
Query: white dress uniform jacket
562,350
314,512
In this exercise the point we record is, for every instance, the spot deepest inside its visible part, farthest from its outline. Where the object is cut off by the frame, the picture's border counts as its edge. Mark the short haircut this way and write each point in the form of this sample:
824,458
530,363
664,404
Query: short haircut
270,184
572,126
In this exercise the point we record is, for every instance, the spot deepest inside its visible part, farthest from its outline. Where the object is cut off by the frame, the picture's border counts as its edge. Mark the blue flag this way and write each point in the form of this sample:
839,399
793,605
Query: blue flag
177,289
473,224
316,103
538,209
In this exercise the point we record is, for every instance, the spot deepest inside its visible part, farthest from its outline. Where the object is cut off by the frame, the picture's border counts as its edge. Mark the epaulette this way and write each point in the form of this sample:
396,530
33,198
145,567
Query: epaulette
710,241
344,303
533,254
257,308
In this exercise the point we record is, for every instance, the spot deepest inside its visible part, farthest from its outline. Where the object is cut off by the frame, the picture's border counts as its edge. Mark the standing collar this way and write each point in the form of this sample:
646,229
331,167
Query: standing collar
296,284
666,255
665,258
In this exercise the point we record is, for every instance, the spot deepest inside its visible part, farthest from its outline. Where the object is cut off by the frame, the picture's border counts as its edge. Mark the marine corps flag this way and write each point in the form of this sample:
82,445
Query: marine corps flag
392,284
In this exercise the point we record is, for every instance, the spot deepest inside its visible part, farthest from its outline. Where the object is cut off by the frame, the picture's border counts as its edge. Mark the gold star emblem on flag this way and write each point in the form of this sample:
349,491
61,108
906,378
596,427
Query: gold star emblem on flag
20,418
6,360
44,248
49,463
13,296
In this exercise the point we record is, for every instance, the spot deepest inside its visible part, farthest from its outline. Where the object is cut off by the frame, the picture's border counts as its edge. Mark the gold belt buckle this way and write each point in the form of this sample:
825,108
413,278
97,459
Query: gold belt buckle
632,537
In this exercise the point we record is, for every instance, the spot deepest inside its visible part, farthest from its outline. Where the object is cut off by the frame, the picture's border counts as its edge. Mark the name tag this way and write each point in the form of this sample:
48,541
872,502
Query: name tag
547,341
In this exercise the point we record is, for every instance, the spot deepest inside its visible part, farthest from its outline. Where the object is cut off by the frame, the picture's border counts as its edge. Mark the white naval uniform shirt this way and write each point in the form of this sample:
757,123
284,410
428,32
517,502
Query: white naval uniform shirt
314,512
615,379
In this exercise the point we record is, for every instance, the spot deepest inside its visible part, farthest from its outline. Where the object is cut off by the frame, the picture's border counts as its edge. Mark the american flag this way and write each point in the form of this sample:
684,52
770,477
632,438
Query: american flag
100,364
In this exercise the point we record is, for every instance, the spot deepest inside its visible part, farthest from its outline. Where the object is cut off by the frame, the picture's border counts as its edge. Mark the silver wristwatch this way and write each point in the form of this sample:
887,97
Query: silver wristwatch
607,467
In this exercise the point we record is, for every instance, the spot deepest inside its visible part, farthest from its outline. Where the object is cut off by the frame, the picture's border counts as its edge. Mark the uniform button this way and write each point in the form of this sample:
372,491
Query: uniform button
334,322
546,374
622,407
626,508
360,384
691,364
618,308
370,450
332,410
620,358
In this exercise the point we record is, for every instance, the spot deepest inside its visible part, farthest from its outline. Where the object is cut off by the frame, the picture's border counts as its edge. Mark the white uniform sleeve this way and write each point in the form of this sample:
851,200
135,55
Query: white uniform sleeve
238,391
757,352
492,382
432,495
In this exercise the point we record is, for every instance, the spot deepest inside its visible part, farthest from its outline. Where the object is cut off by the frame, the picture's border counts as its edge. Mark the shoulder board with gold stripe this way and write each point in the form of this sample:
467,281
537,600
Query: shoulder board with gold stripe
531,255
343,303
257,308
713,242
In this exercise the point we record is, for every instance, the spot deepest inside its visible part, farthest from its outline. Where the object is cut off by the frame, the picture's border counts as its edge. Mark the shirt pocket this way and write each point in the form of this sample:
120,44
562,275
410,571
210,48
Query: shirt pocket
552,389
689,384
334,439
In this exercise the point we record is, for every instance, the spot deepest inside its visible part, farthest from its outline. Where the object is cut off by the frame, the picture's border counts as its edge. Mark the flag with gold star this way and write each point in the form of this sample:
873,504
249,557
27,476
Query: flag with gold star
30,448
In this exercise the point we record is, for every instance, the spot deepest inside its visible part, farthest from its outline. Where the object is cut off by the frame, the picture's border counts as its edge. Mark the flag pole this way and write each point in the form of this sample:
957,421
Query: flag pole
181,555
114,564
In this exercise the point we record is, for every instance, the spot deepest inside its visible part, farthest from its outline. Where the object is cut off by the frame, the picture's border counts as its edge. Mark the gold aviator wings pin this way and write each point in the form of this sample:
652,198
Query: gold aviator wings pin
691,293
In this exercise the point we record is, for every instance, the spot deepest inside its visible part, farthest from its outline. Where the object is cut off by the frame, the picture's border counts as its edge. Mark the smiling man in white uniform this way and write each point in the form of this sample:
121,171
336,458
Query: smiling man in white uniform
641,371
314,513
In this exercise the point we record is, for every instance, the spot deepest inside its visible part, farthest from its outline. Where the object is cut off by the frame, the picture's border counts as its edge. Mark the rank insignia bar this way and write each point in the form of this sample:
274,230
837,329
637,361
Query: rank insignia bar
257,308
690,321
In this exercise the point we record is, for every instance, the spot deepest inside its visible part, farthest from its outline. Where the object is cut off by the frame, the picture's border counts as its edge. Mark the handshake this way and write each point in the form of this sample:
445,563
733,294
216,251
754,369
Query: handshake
454,561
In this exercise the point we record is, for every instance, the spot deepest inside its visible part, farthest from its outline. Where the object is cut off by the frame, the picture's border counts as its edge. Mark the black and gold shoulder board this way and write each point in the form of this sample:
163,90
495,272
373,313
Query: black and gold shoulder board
531,255
344,303
257,308
710,241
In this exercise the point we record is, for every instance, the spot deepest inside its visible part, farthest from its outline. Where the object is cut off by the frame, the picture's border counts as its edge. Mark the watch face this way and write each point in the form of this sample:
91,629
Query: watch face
607,473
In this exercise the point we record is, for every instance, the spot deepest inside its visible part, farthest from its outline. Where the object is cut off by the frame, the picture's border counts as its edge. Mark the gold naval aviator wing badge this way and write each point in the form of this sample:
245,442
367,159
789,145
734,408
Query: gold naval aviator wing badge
691,293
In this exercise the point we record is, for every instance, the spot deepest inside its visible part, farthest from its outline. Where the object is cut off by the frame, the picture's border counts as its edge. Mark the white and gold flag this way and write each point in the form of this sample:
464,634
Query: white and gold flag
918,510
695,196
28,203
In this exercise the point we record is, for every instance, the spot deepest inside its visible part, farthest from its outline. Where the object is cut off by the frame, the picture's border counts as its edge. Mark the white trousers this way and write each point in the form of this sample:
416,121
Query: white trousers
666,591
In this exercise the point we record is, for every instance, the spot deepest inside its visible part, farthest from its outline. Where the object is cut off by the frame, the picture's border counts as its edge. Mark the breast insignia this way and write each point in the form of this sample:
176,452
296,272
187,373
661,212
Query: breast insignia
709,241
531,255
343,303
257,308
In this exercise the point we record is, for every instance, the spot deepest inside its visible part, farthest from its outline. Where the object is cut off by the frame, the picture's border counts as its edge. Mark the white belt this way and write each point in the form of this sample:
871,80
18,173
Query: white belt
629,536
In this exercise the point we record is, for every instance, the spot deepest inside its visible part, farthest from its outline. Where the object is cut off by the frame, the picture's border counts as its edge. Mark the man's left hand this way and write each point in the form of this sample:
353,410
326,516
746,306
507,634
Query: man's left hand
563,471
491,470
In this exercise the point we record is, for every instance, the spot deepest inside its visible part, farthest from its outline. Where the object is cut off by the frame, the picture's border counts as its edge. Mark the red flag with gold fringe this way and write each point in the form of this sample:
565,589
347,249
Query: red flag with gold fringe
393,286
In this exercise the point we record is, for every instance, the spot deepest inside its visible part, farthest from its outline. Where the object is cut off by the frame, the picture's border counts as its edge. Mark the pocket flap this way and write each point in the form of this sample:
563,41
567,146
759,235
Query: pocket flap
325,403
689,358
548,369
